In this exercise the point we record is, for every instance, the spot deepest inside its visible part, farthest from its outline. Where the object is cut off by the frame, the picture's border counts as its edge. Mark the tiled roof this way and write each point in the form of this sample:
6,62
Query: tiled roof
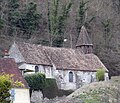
71,59
8,66
33,54
84,38
62,58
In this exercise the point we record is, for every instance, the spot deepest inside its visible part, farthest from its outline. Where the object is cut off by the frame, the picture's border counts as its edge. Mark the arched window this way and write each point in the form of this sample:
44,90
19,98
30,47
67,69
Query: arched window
70,76
36,69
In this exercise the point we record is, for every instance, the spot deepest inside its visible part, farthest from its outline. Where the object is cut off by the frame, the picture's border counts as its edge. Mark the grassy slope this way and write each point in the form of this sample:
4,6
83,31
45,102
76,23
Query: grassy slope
98,92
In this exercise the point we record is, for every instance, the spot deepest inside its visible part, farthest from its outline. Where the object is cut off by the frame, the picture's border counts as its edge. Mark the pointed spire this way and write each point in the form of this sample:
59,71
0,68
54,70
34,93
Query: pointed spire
84,38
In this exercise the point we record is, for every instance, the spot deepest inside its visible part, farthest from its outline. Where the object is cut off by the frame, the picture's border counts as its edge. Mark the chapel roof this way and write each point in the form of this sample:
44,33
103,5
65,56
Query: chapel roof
62,58
8,66
83,38
33,53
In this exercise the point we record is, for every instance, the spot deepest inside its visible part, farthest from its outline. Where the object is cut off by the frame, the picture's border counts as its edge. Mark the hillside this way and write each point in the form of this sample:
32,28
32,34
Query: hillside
104,29
99,92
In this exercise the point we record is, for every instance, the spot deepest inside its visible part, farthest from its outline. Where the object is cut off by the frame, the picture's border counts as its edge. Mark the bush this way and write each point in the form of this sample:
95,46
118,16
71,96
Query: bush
6,83
48,86
100,75
5,86
36,81
51,89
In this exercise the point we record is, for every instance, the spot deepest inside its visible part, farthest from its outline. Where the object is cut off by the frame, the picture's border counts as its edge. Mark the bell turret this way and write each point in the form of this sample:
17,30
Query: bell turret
84,43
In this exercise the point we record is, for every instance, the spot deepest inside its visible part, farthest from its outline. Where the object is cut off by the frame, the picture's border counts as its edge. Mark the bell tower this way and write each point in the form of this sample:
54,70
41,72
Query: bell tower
84,44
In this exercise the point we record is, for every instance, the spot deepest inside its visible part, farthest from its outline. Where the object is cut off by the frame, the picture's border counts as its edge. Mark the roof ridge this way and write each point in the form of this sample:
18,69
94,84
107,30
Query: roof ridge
43,45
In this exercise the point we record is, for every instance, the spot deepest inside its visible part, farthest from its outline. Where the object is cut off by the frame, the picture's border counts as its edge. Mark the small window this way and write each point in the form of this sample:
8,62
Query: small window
36,69
70,76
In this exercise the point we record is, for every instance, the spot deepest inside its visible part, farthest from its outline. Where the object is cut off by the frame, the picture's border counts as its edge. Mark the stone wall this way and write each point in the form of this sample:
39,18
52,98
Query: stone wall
79,79
47,70
15,53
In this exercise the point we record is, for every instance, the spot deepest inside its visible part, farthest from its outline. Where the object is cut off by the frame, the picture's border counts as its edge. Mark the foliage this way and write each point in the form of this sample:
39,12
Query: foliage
100,75
6,83
50,89
81,18
1,23
29,20
96,95
42,42
48,86
81,14
100,95
104,11
50,83
5,86
101,92
36,81
13,16
19,22
57,21
17,84
107,32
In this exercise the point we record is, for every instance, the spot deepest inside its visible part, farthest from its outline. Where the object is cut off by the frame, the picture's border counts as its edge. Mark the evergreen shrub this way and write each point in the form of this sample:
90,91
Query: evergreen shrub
48,86
36,81
100,75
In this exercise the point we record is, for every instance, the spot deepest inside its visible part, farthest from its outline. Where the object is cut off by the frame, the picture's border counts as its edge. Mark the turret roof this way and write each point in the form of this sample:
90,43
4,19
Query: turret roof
83,38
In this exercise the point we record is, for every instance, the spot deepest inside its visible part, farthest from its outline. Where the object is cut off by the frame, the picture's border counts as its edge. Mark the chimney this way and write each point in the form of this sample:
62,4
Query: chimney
6,54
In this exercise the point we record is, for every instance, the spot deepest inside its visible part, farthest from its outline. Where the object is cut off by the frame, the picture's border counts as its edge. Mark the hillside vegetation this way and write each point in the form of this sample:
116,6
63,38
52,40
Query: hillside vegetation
49,22
98,92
